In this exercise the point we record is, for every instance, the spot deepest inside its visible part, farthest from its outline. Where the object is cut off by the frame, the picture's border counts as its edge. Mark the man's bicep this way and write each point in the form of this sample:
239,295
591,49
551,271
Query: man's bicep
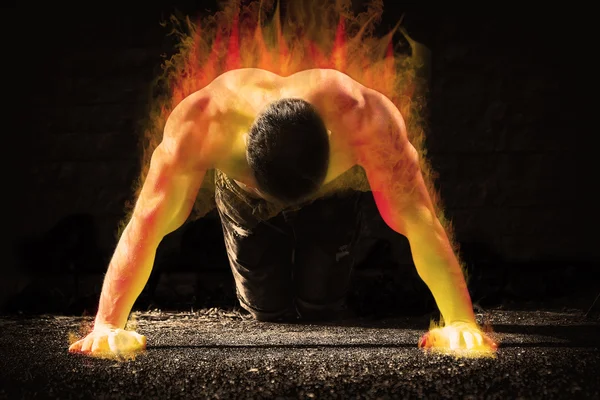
180,161
392,165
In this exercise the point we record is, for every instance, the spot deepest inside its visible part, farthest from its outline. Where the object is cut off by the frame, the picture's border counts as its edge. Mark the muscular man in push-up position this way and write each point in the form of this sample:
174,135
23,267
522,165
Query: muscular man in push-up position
274,143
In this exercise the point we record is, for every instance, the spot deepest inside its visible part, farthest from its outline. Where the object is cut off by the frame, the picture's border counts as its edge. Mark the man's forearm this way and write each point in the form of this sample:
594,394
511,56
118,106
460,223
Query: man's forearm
128,273
438,266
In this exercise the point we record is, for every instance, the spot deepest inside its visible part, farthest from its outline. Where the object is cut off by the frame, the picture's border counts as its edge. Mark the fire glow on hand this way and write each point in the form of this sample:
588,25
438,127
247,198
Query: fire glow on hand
460,339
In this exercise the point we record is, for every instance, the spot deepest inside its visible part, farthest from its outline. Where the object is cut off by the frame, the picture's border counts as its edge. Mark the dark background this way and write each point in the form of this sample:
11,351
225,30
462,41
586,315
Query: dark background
508,133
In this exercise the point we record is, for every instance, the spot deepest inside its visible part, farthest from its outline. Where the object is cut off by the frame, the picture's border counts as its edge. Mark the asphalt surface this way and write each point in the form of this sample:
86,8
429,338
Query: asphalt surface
220,354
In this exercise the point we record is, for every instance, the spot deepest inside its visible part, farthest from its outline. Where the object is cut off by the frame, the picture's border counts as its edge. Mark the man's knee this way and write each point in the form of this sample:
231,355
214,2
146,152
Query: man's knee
317,312
282,315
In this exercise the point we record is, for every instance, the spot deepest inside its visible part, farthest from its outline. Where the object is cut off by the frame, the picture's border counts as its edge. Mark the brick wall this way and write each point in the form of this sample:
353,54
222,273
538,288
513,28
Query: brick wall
505,134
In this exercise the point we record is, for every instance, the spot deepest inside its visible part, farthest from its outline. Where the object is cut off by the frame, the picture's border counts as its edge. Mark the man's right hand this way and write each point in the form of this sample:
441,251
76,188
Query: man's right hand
107,342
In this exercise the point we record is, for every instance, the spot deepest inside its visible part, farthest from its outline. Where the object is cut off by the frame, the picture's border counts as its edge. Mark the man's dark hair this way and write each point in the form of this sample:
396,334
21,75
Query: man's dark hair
288,150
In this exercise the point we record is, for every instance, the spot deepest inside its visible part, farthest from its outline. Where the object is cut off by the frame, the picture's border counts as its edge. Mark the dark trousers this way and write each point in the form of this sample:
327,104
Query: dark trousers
289,262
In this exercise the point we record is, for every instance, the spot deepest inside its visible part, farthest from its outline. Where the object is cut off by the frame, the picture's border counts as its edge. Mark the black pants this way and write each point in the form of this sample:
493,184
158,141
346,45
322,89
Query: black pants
289,262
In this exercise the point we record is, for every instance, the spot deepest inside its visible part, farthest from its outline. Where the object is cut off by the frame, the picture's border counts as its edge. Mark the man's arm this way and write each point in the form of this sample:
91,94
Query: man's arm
165,201
392,168
164,204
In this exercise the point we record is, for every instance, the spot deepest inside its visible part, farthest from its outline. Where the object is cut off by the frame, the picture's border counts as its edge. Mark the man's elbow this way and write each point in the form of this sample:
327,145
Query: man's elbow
422,228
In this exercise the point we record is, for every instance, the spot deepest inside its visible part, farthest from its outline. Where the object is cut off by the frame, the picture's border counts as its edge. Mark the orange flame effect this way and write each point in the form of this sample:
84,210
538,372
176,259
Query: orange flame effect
312,34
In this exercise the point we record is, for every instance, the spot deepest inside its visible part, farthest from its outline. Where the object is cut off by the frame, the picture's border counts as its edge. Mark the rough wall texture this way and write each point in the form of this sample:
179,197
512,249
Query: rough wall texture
504,135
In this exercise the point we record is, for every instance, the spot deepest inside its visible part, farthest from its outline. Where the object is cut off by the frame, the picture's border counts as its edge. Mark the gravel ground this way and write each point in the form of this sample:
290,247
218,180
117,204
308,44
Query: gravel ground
223,354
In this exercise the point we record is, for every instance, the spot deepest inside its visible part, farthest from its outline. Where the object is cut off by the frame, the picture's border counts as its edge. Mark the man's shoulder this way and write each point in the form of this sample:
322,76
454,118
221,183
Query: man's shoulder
333,92
343,82
322,79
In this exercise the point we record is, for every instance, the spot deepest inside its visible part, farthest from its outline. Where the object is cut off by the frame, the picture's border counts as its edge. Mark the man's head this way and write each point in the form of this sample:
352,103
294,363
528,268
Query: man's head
288,150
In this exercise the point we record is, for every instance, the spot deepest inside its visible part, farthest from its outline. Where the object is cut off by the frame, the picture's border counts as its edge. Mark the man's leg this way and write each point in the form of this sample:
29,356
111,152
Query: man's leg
260,252
325,232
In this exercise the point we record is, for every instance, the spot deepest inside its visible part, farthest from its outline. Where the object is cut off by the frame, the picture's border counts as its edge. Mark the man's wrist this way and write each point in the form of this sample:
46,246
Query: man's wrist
101,325
455,322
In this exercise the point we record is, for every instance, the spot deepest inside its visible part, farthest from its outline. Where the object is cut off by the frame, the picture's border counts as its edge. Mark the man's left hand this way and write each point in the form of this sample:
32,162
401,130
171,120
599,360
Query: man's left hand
459,338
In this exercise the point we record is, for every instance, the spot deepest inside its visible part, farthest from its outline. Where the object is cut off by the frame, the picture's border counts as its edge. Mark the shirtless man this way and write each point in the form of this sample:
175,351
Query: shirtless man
275,142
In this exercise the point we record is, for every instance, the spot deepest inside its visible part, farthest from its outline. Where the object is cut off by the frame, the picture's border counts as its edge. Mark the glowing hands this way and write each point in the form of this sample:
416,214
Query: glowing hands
106,342
459,338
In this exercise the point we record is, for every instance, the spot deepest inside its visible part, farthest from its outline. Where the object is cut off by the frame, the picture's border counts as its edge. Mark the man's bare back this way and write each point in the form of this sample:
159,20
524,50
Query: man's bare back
234,99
